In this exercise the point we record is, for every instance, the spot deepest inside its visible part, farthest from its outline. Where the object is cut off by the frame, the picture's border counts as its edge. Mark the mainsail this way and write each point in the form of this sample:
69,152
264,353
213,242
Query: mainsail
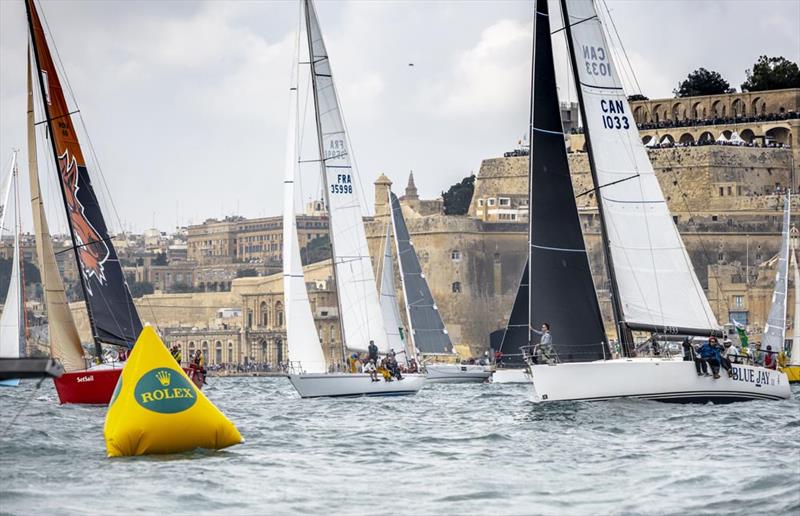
359,308
65,344
652,276
389,307
112,314
794,356
775,329
303,343
517,332
12,322
427,331
561,289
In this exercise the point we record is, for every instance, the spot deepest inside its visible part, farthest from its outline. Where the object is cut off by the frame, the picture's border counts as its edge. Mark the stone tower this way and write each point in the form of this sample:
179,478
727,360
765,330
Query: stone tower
411,189
382,187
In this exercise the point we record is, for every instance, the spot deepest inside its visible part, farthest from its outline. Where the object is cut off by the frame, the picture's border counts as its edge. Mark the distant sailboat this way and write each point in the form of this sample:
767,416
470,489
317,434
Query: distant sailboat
774,334
358,303
427,333
12,319
653,284
395,331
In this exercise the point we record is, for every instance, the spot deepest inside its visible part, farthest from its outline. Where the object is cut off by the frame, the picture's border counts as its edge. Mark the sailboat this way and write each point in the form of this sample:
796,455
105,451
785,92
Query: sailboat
12,319
774,334
427,333
113,318
511,367
792,368
395,331
360,318
653,285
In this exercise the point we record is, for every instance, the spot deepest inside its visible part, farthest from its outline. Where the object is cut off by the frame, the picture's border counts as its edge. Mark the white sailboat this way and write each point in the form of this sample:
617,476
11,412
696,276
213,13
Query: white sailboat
395,331
427,334
12,319
654,287
359,310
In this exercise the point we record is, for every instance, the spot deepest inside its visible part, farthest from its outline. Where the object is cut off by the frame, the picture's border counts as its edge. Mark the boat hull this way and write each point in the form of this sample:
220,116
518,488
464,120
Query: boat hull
336,385
93,386
457,373
669,380
792,372
511,375
13,382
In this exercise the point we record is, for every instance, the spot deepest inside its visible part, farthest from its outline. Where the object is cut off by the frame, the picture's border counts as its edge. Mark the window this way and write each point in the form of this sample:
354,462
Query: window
480,203
456,287
738,317
730,190
675,219
490,202
721,191
505,201
738,301
455,255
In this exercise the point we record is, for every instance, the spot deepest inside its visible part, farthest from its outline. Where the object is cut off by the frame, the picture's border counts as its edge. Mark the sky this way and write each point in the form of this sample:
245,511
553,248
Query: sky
186,102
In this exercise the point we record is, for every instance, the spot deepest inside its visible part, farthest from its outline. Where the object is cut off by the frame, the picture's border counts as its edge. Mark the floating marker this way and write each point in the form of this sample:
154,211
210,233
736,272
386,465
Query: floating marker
157,409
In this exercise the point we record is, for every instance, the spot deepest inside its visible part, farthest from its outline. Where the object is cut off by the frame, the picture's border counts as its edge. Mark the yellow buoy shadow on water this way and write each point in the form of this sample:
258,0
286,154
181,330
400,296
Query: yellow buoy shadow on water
156,409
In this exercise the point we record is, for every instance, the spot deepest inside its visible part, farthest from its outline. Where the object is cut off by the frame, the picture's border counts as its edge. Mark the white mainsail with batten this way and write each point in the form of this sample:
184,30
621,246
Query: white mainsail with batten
775,328
657,286
303,343
65,343
12,337
389,307
359,306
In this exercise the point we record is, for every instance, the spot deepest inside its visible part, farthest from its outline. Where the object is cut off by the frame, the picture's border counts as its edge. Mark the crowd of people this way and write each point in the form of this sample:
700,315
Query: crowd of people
713,356
377,367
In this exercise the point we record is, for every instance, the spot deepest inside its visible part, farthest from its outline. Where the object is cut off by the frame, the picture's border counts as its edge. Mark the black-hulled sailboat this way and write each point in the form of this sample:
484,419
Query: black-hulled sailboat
653,285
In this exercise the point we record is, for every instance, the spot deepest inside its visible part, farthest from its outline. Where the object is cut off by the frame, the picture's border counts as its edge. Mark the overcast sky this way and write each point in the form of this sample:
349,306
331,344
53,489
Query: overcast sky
186,102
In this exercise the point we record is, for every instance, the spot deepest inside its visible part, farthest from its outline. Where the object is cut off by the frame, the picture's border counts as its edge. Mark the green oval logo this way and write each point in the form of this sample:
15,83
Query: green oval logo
165,391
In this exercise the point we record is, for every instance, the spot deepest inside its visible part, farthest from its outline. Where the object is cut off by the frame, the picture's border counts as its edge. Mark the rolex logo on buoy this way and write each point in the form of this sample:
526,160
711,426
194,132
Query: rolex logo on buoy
165,391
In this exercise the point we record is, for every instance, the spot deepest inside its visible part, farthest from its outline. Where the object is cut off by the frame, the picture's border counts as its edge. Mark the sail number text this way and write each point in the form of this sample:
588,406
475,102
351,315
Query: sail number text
336,149
596,61
343,184
615,117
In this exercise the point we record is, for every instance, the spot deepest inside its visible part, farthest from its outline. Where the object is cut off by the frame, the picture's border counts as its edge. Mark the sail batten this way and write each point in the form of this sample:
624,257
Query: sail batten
653,279
561,288
426,327
359,306
112,314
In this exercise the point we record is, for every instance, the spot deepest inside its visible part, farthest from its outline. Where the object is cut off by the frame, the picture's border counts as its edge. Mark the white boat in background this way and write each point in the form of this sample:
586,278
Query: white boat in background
12,319
653,284
359,309
428,335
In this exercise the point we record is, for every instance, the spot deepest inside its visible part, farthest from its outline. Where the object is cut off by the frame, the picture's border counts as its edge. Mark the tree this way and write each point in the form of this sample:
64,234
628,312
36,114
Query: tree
702,82
160,259
182,288
141,288
457,198
29,271
637,96
246,273
316,250
772,73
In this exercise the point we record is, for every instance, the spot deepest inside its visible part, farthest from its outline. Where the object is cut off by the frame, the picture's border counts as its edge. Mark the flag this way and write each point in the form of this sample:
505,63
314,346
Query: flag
740,330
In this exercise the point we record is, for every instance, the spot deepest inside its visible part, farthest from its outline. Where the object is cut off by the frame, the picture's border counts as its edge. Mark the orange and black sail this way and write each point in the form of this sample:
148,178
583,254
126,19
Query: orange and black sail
113,316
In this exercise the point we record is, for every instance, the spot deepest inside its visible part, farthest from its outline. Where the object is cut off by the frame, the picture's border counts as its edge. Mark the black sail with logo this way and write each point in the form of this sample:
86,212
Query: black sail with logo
561,288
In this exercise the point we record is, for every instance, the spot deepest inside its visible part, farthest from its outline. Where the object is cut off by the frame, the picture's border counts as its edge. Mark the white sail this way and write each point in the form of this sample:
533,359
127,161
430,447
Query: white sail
65,343
12,324
794,357
775,328
655,278
305,349
389,307
360,313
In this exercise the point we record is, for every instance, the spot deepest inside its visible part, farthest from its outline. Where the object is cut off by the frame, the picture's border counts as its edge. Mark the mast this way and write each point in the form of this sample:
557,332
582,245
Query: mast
312,61
623,333
30,9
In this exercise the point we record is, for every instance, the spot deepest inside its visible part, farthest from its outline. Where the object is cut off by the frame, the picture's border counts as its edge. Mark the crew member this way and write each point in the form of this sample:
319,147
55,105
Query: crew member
544,351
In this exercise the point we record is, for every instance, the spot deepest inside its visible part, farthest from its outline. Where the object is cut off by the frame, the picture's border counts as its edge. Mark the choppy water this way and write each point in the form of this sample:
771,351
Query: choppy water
466,449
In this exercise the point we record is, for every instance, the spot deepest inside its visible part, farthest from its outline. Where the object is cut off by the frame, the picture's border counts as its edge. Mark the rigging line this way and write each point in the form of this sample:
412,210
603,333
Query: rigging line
71,248
57,117
607,184
573,24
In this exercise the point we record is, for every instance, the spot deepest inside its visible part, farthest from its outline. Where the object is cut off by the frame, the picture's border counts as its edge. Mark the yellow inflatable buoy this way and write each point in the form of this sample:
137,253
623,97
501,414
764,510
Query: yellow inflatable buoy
156,408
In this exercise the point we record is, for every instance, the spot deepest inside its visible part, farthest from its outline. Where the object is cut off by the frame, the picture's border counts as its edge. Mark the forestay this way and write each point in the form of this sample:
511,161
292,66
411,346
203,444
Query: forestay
658,288
428,334
303,343
389,307
775,329
355,279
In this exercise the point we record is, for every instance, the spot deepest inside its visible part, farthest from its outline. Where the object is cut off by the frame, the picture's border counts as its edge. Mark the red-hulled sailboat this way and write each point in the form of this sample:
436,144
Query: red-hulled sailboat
112,315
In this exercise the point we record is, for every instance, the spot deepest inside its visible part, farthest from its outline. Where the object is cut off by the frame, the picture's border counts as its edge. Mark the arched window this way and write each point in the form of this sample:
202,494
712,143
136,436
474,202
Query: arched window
205,350
279,314
456,287
455,255
218,353
230,352
264,314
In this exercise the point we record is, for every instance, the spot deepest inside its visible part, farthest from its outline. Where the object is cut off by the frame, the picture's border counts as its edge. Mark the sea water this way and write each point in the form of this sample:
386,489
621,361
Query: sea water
452,449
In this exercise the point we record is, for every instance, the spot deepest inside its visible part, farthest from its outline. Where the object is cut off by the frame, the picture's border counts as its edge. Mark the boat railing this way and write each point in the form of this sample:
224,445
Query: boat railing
535,354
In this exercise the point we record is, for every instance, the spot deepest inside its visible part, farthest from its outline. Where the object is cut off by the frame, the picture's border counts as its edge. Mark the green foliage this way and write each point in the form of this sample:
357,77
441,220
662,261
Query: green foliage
458,197
30,271
246,273
139,288
772,73
702,82
160,259
637,96
183,288
316,250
